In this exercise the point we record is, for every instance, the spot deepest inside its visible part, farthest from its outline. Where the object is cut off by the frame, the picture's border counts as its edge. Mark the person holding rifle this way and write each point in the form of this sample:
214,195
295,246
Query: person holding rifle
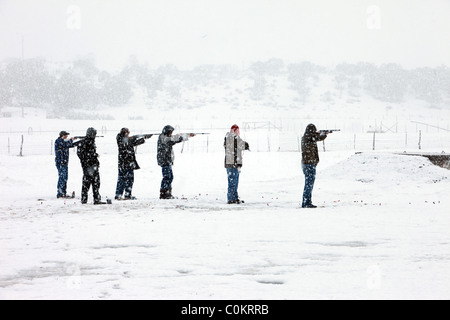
310,159
87,152
62,146
165,157
127,162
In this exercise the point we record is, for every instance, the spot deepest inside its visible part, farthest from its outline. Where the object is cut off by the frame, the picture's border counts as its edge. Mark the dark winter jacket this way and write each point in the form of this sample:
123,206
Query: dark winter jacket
87,150
62,151
165,155
234,146
127,156
310,153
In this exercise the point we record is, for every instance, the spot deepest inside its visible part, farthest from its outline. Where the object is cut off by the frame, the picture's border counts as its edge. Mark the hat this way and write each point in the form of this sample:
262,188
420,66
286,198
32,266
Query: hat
235,129
63,133
91,133
124,131
168,130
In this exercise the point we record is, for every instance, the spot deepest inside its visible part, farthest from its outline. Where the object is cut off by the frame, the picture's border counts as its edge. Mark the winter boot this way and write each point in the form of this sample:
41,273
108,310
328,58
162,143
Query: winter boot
163,194
169,194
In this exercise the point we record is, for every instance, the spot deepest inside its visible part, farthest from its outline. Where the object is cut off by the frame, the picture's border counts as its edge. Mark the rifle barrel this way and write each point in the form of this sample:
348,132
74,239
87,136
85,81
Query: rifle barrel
84,137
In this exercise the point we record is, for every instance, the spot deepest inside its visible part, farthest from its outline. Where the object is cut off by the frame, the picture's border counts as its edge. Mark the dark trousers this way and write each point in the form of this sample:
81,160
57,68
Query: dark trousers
125,182
309,170
167,173
63,176
91,177
233,183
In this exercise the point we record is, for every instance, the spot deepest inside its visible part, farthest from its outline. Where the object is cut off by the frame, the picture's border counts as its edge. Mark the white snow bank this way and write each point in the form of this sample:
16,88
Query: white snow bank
387,169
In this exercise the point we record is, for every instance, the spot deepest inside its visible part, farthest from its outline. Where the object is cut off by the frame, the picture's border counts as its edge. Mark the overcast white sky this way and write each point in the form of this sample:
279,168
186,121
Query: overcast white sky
191,32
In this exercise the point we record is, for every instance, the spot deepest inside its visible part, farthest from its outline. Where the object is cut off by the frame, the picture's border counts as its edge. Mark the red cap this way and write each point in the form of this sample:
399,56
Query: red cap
235,129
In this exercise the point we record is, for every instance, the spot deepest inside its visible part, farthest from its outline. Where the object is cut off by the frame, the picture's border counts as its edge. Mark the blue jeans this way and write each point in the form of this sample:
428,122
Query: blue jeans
63,176
233,183
309,171
125,182
167,179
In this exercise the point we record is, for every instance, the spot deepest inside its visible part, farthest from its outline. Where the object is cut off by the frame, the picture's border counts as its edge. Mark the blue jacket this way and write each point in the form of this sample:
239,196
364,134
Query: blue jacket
62,151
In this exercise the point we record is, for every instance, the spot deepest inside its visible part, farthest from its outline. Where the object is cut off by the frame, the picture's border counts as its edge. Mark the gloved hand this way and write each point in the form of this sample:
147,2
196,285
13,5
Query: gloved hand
185,136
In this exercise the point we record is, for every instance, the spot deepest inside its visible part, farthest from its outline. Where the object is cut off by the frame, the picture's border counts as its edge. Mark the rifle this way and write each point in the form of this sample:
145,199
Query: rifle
84,137
189,134
194,133
146,135
328,131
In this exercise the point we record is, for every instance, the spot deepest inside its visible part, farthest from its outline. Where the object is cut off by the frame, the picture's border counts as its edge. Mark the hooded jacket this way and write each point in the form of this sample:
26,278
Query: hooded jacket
310,153
87,150
234,146
127,155
165,155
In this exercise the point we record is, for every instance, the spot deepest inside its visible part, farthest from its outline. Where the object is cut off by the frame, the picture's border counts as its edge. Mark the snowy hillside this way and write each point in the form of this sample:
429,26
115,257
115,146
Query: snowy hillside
82,91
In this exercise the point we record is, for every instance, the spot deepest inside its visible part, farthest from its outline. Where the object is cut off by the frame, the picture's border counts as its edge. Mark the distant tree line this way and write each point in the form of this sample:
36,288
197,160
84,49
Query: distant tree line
80,85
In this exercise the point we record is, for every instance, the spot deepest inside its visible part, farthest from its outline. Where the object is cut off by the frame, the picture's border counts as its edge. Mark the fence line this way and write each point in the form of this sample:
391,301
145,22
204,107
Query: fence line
260,140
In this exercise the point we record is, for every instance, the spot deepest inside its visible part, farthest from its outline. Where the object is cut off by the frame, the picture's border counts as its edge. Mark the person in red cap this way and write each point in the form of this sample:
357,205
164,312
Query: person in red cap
234,146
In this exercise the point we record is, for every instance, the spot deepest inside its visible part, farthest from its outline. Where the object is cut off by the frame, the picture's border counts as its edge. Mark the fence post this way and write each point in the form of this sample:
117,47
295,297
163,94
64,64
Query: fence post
268,143
420,139
373,148
323,142
51,147
207,144
406,139
21,148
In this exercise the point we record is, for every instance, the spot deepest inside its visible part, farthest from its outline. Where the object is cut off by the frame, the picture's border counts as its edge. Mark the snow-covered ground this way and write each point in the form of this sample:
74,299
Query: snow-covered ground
382,230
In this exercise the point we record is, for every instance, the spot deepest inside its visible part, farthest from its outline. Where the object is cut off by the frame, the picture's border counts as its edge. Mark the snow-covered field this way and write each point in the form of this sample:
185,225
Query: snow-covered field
382,230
